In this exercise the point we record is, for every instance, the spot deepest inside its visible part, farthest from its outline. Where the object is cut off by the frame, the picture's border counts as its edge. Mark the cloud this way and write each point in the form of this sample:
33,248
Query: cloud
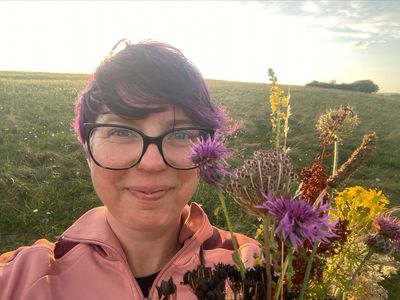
309,6
346,21
363,44
360,44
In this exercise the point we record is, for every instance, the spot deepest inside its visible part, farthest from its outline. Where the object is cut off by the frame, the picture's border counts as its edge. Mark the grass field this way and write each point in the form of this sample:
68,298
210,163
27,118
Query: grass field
44,179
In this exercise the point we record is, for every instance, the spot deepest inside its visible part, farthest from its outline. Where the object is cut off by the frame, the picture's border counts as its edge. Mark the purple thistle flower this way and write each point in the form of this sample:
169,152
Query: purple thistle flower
387,226
386,236
210,154
297,220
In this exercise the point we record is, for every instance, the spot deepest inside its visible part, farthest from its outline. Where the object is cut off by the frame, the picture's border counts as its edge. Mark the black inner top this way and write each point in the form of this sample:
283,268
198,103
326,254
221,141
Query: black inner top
145,283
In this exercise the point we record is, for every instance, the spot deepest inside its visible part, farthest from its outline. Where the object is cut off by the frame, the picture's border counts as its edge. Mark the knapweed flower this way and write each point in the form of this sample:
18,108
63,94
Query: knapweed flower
335,125
210,154
385,237
335,243
297,220
266,172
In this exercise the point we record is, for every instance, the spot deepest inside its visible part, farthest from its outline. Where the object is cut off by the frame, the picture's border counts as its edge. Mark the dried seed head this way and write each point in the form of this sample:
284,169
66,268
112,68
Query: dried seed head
335,125
266,172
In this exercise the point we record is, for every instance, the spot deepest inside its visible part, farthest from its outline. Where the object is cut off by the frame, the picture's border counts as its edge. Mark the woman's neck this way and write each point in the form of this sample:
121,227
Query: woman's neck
147,252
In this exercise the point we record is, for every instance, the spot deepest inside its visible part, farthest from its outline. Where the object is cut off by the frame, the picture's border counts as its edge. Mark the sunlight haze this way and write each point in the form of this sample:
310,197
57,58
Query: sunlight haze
229,40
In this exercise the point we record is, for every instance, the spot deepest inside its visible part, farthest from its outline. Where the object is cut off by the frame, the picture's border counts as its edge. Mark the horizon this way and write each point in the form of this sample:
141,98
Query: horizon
284,85
301,41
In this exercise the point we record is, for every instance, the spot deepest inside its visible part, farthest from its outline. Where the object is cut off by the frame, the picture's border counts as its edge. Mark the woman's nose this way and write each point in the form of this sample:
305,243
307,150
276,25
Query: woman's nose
152,159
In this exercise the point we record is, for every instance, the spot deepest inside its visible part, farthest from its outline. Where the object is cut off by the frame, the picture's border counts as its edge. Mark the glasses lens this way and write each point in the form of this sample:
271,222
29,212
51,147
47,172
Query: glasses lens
115,147
177,145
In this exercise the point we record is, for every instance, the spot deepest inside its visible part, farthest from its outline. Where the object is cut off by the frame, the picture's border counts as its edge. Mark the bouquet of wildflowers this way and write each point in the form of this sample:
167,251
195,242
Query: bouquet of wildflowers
320,240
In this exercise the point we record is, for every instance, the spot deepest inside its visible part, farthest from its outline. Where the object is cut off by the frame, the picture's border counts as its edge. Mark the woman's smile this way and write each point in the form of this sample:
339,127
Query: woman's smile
149,192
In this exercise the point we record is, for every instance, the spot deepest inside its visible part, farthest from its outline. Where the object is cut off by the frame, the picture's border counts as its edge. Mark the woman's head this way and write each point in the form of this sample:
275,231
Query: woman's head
145,92
141,74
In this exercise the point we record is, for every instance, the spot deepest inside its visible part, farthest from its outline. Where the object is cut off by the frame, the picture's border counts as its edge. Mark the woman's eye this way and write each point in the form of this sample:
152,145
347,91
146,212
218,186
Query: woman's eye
181,135
185,135
121,133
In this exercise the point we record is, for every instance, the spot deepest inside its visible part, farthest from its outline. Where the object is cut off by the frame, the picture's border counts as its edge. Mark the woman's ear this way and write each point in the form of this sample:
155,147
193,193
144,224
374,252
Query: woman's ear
87,155
89,162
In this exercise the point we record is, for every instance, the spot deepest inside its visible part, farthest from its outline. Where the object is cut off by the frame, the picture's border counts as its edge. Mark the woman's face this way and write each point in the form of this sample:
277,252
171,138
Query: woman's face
151,195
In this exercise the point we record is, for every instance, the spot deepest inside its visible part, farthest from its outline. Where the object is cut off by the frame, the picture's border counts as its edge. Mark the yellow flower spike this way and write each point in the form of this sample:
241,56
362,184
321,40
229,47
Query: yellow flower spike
280,112
284,102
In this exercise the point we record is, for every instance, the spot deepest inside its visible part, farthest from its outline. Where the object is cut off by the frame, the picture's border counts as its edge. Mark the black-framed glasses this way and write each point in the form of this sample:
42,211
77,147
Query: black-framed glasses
119,147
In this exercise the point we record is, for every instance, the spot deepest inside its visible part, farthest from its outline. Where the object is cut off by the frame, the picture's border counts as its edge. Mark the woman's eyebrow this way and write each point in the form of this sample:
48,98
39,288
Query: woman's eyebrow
111,118
179,122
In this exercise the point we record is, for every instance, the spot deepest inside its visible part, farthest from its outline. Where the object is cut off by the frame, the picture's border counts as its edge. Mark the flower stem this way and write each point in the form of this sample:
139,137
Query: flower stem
280,280
308,271
282,266
278,126
267,255
286,120
235,255
355,273
335,158
289,271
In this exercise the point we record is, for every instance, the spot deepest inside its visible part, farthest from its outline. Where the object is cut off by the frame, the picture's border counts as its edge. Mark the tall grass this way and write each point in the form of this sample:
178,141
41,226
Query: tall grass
44,179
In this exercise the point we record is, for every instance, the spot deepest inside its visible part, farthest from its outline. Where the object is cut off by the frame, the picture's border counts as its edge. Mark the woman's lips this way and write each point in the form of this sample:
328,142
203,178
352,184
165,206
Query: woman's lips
149,193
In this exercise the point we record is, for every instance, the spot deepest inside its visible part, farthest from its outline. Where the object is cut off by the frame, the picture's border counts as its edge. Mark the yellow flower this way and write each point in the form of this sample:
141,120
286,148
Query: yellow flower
276,98
273,101
284,102
358,206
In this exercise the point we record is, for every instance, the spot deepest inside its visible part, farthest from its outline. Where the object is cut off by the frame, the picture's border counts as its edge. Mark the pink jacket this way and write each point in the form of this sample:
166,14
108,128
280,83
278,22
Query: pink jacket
88,262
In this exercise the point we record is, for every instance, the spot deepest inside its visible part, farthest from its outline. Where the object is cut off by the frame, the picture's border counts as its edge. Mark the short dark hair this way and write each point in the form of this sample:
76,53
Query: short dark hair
149,72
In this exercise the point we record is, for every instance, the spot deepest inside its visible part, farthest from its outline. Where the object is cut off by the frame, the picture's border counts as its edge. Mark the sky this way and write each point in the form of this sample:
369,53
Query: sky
301,41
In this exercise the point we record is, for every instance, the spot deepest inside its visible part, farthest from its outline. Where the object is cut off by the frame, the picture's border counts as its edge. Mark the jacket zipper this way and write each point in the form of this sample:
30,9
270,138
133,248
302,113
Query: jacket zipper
167,266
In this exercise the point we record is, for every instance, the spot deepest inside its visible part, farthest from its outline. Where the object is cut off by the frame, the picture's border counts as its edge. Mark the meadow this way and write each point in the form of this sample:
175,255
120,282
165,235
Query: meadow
44,179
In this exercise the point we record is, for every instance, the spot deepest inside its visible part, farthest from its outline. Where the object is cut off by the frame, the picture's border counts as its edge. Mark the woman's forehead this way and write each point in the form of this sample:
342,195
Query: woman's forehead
169,115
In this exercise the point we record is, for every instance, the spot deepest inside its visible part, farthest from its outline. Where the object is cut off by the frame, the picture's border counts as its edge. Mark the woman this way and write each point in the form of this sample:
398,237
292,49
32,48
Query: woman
137,118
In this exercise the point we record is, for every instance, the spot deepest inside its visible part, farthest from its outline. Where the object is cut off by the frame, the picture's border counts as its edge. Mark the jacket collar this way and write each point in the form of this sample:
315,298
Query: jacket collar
93,228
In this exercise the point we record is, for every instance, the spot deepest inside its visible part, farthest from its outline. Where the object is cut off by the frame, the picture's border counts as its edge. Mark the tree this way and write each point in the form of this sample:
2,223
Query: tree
366,86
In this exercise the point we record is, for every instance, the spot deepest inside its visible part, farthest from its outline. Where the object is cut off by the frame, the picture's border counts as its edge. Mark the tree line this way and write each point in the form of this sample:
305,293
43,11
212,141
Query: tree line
365,86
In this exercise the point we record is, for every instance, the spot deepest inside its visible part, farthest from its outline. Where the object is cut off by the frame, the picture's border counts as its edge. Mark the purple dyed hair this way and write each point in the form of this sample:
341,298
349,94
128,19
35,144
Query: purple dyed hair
149,72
